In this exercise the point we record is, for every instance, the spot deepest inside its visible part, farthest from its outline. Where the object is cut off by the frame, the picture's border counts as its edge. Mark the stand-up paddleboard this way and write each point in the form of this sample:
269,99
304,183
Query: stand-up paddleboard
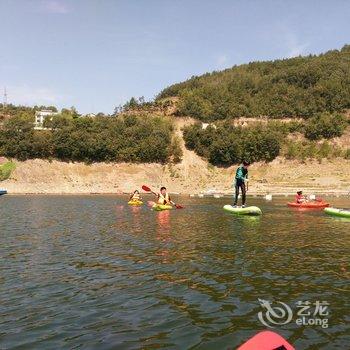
342,213
266,340
243,211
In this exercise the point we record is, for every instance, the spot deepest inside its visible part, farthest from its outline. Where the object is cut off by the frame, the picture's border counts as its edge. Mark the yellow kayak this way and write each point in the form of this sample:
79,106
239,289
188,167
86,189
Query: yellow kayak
159,207
135,202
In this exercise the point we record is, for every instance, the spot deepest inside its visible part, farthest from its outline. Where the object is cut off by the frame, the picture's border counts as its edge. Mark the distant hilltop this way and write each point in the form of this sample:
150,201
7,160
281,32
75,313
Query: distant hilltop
299,87
295,87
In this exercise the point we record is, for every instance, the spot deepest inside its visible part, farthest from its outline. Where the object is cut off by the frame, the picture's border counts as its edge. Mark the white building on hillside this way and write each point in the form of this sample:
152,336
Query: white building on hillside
205,125
40,117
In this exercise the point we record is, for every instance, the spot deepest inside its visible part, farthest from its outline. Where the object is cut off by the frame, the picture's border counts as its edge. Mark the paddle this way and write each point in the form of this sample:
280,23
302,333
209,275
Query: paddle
147,189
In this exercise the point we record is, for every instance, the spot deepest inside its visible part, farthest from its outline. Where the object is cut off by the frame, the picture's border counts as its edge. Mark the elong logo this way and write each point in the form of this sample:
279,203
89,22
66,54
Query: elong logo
278,315
281,313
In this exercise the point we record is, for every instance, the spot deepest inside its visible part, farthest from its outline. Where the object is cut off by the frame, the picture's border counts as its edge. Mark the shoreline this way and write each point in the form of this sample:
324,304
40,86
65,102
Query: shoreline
191,195
191,177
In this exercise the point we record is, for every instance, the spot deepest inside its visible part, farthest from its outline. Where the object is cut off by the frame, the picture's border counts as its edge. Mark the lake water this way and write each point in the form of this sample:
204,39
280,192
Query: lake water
89,272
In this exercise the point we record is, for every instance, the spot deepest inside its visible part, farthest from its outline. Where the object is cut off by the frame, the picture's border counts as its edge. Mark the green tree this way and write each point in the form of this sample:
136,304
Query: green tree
325,125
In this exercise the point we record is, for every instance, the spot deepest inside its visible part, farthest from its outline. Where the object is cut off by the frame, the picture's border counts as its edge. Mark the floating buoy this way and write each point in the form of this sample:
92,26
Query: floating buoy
268,197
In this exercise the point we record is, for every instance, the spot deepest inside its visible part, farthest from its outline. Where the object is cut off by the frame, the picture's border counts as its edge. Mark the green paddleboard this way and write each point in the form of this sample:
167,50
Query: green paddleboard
343,213
243,211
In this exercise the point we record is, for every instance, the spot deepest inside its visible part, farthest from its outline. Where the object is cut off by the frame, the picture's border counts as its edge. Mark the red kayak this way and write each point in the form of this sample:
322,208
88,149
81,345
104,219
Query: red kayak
266,340
310,205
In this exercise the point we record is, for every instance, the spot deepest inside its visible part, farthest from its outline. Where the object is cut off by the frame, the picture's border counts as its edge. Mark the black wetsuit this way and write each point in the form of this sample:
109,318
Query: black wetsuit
241,175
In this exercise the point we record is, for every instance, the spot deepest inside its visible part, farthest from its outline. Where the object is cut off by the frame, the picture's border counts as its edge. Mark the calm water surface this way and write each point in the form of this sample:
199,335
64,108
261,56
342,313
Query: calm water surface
89,272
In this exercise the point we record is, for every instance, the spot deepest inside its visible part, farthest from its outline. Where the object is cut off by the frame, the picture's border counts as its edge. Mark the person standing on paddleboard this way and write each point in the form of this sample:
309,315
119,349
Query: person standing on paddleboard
241,182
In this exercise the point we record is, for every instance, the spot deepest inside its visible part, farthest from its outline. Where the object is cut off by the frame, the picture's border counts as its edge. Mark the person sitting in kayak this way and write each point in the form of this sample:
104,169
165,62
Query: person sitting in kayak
241,182
163,197
300,198
135,196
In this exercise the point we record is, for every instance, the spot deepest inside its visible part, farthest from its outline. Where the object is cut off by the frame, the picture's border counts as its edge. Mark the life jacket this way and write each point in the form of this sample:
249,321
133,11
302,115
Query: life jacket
163,199
299,198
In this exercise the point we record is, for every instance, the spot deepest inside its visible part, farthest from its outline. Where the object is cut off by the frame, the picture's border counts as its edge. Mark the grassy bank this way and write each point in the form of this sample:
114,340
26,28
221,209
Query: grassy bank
6,170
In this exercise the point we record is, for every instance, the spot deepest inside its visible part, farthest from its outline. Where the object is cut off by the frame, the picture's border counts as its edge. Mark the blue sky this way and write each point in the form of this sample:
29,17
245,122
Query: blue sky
96,54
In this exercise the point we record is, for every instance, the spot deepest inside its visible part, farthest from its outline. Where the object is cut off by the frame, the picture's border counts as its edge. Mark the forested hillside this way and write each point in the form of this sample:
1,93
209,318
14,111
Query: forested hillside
124,139
316,88
12,110
225,144
296,87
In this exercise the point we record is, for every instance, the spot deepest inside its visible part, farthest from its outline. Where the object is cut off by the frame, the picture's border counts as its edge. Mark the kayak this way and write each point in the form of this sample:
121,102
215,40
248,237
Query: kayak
266,340
310,205
343,213
135,202
159,207
243,211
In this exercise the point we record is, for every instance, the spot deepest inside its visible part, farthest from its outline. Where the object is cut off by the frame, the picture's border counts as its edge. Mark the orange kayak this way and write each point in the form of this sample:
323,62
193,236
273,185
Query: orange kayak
310,205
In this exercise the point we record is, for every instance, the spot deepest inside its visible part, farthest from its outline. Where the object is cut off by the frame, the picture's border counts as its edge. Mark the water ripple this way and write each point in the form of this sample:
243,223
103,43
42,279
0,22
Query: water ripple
89,272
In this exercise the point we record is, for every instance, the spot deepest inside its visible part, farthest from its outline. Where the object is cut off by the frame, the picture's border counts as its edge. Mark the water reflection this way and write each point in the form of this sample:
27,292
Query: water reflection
163,221
163,235
136,218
